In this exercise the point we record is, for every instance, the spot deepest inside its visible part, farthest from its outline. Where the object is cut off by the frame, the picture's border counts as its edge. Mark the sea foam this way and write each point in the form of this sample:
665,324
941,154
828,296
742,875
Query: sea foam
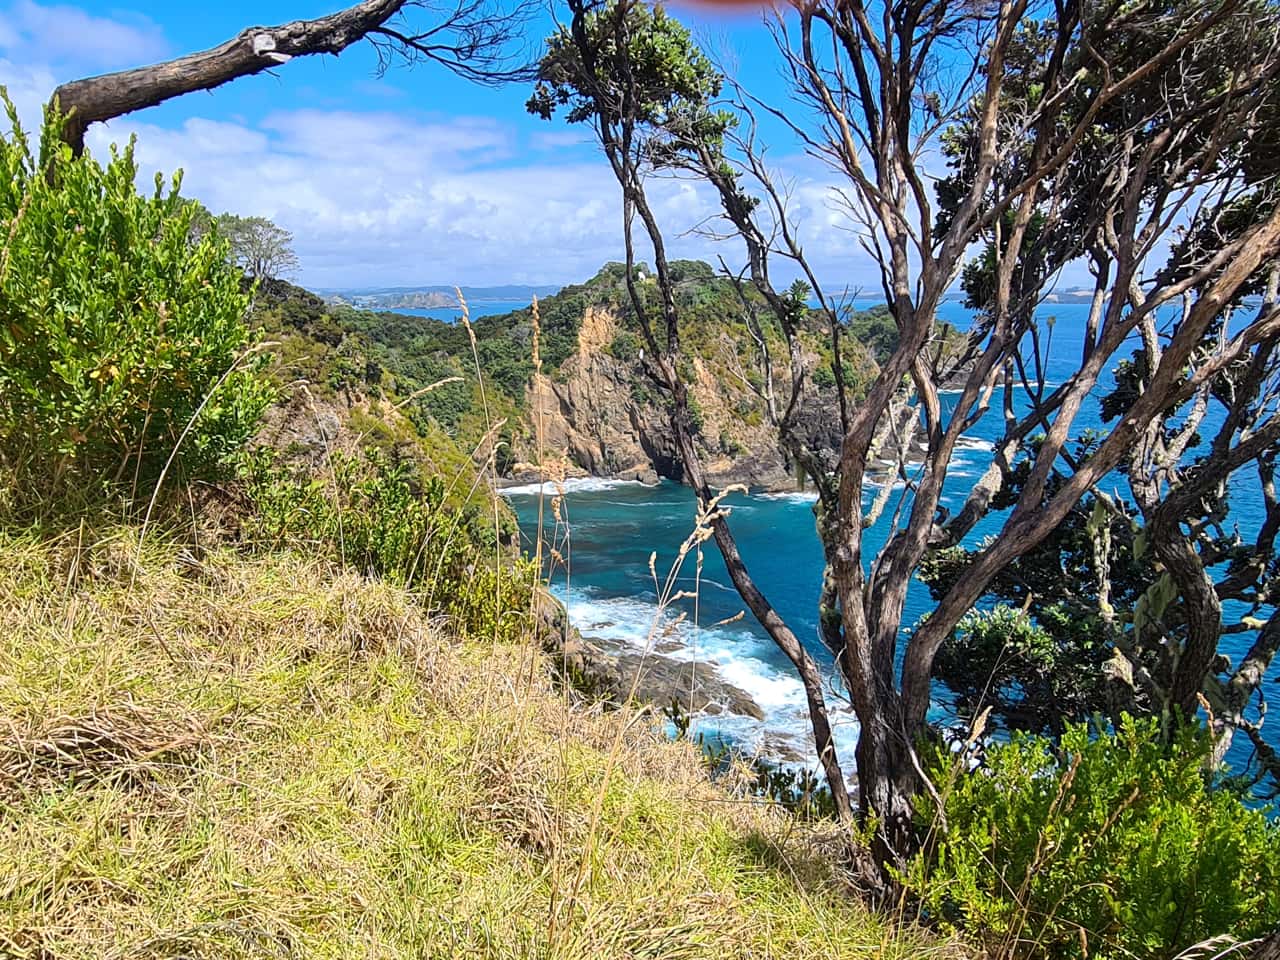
738,653
571,485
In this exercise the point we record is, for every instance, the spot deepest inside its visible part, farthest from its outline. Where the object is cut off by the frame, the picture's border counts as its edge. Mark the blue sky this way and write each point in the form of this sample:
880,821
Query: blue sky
413,177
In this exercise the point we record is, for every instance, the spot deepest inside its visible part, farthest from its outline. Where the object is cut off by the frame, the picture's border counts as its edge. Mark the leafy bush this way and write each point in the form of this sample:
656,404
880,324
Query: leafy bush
625,347
117,327
824,377
384,519
876,330
1036,672
697,419
1114,845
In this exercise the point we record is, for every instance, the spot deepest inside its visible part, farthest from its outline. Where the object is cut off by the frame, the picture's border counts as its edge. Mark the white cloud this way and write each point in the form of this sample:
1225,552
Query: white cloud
66,34
383,198
28,86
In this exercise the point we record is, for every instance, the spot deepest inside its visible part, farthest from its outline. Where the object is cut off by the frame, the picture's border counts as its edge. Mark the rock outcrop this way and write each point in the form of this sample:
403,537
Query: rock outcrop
610,670
603,412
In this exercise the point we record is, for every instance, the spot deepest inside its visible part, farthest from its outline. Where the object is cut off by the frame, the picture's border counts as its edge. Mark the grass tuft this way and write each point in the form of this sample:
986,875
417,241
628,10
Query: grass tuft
270,757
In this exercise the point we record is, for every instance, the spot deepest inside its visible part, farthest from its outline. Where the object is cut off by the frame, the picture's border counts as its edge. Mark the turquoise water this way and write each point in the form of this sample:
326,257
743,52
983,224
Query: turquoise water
614,526
477,308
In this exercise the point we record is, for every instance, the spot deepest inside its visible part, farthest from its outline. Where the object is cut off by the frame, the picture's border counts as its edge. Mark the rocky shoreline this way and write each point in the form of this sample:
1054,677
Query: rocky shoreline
617,672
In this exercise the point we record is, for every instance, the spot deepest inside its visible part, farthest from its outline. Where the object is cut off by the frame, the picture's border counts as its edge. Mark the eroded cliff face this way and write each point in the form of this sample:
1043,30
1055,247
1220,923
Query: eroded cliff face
605,415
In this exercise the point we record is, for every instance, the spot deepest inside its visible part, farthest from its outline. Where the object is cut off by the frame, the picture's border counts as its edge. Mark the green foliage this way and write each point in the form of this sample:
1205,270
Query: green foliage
1043,668
625,347
117,327
644,68
1113,845
1037,673
697,419
824,375
876,330
384,518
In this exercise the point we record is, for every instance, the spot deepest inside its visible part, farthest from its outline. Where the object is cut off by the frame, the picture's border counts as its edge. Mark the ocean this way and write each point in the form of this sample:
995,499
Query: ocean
614,526
477,309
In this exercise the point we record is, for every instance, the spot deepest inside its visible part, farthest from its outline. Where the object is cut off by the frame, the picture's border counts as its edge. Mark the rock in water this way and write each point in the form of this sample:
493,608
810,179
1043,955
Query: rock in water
694,684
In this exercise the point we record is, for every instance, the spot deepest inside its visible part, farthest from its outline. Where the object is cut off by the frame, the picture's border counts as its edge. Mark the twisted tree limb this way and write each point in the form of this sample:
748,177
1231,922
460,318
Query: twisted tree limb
471,38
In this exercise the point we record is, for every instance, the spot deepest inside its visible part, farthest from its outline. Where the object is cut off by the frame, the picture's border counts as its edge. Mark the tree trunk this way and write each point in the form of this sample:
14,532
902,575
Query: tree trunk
887,784
782,635
252,51
1267,949
1202,612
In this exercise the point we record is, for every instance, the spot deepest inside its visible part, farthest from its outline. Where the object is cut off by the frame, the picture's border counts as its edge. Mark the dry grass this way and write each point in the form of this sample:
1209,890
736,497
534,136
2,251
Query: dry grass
262,758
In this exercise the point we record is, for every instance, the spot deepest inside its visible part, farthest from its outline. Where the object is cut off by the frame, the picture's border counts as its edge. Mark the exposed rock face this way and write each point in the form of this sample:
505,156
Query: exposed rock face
592,416
603,412
606,415
613,671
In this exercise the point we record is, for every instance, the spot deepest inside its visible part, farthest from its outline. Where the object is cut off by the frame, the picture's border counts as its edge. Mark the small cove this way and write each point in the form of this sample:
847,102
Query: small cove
615,525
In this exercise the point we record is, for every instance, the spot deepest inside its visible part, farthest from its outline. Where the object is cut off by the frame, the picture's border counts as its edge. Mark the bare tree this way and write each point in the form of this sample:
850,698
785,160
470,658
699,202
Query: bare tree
473,38
261,248
1088,134
1085,132
614,65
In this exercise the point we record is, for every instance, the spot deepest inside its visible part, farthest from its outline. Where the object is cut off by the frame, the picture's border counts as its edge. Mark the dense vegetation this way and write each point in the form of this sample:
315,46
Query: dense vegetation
122,337
302,711
345,351
302,708
1134,851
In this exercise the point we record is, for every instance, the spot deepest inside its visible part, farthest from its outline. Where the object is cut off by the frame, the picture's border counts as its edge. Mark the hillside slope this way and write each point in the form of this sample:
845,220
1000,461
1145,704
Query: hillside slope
590,399
230,757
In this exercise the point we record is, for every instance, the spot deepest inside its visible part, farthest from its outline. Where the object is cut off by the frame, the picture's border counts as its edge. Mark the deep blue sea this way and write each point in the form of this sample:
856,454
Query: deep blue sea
614,526
477,308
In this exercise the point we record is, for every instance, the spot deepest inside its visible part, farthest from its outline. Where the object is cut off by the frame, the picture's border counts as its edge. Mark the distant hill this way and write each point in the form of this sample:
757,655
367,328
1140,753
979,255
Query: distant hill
431,295
594,399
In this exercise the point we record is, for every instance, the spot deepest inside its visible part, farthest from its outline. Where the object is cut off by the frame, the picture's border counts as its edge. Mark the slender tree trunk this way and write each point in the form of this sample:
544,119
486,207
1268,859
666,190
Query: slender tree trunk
1202,612
782,635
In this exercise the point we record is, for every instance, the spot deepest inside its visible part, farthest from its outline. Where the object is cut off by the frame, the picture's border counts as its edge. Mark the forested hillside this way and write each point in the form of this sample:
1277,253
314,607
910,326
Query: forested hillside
598,406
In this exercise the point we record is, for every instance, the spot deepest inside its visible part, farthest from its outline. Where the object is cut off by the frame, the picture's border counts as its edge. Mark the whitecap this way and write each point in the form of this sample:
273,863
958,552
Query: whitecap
770,689
738,653
792,496
571,485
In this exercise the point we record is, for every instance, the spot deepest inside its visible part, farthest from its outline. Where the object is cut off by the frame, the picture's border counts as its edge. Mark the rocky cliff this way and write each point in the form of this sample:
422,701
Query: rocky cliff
603,413
589,401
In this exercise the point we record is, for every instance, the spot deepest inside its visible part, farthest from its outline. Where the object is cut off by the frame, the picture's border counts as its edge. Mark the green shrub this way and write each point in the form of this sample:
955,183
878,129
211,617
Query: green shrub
385,519
697,419
116,325
1036,672
730,445
625,347
1113,845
